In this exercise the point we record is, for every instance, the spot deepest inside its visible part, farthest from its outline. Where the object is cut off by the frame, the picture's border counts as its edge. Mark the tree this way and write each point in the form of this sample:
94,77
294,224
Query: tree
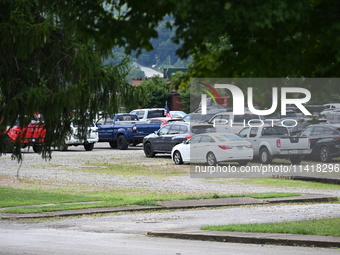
158,92
53,49
50,69
263,38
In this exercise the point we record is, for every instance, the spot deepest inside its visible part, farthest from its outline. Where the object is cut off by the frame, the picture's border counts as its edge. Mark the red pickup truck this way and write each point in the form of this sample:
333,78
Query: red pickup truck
31,135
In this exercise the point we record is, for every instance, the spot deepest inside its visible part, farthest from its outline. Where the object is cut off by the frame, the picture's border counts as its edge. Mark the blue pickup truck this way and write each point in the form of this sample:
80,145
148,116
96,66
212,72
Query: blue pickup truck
123,130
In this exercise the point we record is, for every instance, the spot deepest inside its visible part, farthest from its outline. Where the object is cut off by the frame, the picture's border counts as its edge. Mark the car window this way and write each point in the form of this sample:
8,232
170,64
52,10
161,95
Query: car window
282,131
274,131
206,139
155,113
328,131
174,130
140,114
195,139
244,132
253,131
155,122
307,132
317,131
183,129
164,130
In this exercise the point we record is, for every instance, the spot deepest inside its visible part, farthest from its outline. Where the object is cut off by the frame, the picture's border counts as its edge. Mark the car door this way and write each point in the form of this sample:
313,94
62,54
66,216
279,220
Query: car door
159,139
202,147
105,129
315,136
168,140
253,139
193,149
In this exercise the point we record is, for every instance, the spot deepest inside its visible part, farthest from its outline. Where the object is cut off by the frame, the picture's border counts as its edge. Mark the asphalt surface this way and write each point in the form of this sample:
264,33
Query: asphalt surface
197,234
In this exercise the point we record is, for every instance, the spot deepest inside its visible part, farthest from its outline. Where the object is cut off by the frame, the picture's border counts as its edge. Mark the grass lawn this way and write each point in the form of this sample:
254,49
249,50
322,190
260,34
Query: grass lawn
10,197
324,227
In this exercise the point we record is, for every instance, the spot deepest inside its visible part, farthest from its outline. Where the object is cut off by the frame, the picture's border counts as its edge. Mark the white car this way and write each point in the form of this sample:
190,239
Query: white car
212,148
74,138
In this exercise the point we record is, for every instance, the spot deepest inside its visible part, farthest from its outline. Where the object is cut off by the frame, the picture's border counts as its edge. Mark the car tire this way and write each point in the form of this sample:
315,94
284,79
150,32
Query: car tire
243,163
324,154
122,143
211,159
89,146
265,157
113,145
296,160
37,148
177,158
148,150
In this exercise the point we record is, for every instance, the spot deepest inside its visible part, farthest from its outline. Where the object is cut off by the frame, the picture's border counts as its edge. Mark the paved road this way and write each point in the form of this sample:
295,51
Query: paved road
125,233
60,242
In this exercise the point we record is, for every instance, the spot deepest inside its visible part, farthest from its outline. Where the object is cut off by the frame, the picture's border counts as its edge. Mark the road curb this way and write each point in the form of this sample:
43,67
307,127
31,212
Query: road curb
175,205
253,238
327,180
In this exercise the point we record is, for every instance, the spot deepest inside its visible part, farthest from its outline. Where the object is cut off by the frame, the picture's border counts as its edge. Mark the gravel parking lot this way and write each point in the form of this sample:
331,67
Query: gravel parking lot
72,168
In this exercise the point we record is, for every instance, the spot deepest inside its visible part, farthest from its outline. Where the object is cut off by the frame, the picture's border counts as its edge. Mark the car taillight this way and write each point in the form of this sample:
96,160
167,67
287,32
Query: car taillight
336,137
309,143
278,143
224,147
249,146
188,137
134,129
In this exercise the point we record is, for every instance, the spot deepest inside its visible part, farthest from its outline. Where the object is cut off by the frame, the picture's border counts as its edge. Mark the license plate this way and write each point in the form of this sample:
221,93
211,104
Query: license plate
293,152
239,147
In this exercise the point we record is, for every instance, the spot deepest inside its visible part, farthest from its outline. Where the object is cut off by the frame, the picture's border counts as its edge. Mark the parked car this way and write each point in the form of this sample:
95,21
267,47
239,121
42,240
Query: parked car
325,141
212,148
227,122
121,134
75,139
333,117
163,140
275,142
331,106
32,134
